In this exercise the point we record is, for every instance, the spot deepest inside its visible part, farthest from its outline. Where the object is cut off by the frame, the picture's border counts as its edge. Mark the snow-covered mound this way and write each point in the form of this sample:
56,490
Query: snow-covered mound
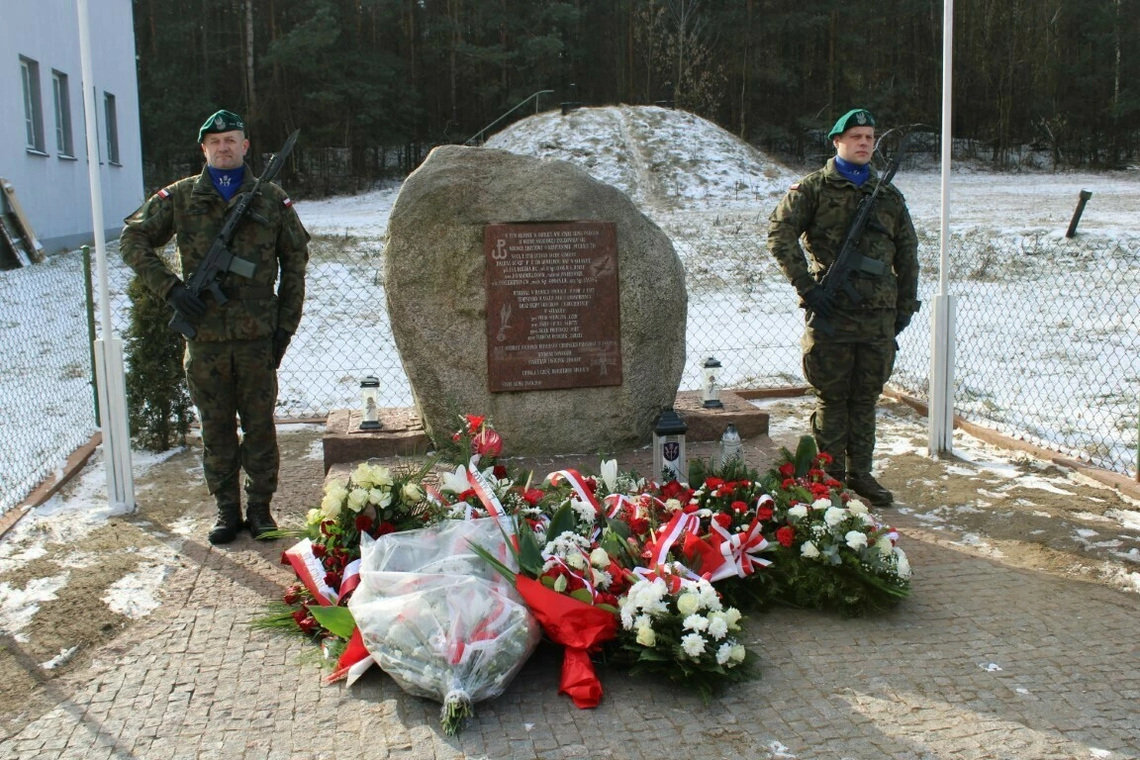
658,156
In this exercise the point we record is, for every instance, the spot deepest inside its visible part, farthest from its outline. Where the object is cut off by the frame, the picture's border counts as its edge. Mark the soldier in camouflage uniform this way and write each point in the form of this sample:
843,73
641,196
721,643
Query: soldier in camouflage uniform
849,368
231,363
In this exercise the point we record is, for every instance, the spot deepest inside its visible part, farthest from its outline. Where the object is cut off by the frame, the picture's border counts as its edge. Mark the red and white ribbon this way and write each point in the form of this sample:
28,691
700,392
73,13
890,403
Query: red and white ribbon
681,523
484,491
575,480
738,550
351,578
615,502
311,571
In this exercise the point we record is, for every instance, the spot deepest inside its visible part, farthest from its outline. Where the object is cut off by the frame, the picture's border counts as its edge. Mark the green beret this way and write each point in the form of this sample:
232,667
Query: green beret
222,121
856,117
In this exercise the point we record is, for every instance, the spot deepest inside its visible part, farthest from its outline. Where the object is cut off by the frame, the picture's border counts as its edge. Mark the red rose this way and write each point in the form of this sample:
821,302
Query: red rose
723,519
332,580
385,528
319,550
469,493
590,484
293,594
639,526
786,535
787,469
305,621
739,506
499,471
364,523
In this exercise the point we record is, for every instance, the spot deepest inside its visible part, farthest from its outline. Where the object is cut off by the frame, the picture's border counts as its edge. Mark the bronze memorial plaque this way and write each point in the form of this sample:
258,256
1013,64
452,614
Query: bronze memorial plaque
552,306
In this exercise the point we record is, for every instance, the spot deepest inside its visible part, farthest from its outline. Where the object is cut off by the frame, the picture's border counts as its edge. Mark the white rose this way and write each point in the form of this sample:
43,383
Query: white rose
688,603
357,498
381,476
798,512
732,617
856,539
599,558
809,550
738,653
362,475
835,515
576,561
412,493
646,636
331,505
313,517
381,497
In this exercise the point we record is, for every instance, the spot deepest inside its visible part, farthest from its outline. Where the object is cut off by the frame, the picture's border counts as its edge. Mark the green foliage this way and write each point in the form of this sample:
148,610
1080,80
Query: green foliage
158,401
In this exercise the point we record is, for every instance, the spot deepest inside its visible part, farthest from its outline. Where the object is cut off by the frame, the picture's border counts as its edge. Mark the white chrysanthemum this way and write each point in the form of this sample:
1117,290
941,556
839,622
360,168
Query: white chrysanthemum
695,623
724,653
835,515
586,511
885,547
809,549
599,558
672,505
821,504
869,520
357,499
718,626
856,539
903,563
567,544
857,507
710,599
799,511
693,644
602,579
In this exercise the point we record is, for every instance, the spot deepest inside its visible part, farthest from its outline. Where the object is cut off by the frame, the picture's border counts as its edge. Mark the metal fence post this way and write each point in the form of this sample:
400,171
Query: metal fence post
89,300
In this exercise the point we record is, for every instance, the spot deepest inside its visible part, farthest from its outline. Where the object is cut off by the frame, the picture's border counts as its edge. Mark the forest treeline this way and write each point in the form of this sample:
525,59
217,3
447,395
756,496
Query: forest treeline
374,84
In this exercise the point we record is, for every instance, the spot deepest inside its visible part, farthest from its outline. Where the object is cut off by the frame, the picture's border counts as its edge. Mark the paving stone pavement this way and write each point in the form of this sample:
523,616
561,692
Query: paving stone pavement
983,661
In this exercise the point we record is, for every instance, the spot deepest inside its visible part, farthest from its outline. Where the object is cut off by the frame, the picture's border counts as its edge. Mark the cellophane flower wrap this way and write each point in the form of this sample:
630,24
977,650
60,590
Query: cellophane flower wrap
438,619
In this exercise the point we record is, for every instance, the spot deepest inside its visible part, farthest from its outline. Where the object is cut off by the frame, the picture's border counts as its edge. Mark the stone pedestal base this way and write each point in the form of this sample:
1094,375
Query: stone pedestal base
709,424
401,433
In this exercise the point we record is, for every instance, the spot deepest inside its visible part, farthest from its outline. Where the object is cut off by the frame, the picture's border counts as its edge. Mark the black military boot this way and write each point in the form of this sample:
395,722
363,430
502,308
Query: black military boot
259,518
866,486
229,517
840,475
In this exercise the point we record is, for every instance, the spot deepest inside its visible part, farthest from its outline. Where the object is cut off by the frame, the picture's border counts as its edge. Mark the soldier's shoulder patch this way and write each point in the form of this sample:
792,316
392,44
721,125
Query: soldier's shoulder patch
288,202
164,193
795,186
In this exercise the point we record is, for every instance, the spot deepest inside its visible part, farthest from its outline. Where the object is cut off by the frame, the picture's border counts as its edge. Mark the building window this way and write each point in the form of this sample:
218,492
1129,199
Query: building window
111,120
33,106
62,114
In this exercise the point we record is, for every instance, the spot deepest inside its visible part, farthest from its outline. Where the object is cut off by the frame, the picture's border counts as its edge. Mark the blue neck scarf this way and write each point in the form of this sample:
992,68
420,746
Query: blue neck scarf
854,172
227,181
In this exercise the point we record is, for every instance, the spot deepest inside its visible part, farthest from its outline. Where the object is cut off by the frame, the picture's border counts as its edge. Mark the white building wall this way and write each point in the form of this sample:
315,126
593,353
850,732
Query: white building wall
52,188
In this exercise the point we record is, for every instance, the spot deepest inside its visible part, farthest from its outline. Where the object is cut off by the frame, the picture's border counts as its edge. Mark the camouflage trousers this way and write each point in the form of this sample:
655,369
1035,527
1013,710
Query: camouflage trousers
848,378
231,381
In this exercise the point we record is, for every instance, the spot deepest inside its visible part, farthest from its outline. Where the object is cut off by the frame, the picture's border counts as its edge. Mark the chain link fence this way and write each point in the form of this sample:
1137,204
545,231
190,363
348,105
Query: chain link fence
1046,330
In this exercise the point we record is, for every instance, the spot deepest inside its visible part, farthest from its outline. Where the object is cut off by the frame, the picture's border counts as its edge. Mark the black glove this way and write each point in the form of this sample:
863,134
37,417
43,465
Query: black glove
901,321
820,302
281,340
188,305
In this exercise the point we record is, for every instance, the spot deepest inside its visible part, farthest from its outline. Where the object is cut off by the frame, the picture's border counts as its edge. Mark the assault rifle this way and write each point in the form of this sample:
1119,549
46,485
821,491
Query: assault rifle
219,259
850,261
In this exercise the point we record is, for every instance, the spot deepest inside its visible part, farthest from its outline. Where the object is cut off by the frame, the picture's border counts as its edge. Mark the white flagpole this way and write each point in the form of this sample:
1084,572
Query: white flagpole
941,416
109,350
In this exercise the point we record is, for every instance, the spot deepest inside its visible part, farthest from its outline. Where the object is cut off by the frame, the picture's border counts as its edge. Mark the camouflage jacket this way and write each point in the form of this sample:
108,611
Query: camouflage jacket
270,236
815,213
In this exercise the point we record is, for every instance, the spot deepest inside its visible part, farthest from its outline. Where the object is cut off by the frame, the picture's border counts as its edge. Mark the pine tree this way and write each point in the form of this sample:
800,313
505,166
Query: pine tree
158,401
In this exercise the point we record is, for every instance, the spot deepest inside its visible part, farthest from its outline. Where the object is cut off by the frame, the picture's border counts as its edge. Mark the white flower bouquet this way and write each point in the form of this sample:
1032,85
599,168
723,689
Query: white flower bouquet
438,619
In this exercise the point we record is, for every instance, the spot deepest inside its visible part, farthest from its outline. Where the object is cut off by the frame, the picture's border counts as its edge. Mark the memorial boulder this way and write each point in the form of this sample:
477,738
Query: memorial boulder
525,290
